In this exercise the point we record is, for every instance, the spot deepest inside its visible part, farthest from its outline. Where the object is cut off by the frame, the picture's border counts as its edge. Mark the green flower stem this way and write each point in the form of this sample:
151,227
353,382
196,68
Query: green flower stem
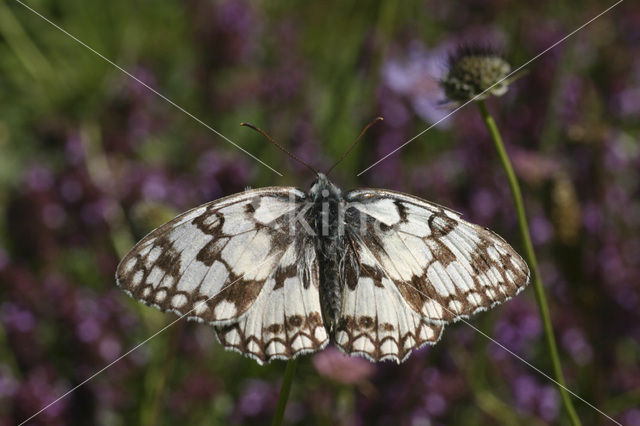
284,392
531,259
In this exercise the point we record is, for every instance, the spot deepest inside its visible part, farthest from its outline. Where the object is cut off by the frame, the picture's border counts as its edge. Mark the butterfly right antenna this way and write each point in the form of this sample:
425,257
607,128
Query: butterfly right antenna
280,147
354,144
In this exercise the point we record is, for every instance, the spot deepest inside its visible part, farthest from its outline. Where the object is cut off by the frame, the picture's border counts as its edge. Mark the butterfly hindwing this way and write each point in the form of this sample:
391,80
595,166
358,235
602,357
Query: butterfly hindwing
286,320
211,263
375,320
443,267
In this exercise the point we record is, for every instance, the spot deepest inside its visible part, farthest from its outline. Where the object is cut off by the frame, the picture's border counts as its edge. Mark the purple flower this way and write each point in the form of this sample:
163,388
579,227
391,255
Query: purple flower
71,189
517,328
435,404
16,318
341,368
631,417
541,229
258,399
416,77
109,348
137,90
88,330
537,399
40,389
38,177
74,149
576,344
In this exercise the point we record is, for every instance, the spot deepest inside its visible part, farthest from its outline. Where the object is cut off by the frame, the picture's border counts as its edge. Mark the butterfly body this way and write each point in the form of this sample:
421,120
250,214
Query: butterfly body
327,216
279,272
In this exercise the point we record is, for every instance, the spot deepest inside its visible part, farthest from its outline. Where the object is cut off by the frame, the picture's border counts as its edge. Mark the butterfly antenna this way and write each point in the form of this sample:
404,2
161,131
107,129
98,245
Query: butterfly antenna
353,145
280,147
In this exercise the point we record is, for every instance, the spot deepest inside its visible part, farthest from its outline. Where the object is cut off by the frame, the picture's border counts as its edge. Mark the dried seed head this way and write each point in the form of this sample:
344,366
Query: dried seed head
475,71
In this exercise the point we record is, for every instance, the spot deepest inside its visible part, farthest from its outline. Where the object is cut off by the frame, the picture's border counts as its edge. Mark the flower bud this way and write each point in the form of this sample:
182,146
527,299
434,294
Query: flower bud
475,72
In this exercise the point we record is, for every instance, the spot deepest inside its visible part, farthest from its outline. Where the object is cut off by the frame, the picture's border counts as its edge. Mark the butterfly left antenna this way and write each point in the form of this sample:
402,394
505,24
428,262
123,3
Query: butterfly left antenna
280,147
353,145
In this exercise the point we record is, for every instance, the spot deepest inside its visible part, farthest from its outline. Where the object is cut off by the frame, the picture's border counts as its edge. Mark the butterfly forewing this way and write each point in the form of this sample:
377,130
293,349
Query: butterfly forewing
443,267
212,262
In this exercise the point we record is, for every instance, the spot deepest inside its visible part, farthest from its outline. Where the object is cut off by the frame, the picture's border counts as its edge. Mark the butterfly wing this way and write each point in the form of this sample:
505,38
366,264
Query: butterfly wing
286,320
212,262
375,321
443,267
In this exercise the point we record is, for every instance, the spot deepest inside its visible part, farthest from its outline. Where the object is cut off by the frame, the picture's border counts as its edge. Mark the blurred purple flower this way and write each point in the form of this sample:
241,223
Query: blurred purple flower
631,417
16,318
227,30
138,91
416,77
592,217
221,175
257,399
74,149
536,399
483,205
541,229
341,368
574,342
38,177
435,404
517,328
154,187
626,102
88,330
109,348
71,189
38,390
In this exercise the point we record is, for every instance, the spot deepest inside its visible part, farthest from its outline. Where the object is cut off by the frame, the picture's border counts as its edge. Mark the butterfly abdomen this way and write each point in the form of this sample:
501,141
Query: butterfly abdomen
328,225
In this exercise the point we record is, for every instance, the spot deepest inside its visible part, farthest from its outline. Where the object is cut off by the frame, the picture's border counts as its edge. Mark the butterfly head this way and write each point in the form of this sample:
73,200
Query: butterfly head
323,189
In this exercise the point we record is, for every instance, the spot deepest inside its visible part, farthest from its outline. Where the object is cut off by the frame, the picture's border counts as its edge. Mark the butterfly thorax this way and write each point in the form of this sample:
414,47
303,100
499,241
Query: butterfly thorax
328,224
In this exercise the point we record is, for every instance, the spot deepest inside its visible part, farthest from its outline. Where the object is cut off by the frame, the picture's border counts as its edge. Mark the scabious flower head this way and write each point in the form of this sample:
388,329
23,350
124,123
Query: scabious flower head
476,71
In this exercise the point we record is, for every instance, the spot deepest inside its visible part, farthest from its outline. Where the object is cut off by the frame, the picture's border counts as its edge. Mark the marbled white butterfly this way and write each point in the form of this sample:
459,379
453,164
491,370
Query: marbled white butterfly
279,271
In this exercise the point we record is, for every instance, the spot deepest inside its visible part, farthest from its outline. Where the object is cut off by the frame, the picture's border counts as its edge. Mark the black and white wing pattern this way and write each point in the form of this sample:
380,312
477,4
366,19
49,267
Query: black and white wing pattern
375,321
237,264
443,267
278,271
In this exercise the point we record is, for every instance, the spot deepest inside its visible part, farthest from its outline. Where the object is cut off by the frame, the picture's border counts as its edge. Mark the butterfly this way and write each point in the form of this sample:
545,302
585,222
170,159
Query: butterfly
279,272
